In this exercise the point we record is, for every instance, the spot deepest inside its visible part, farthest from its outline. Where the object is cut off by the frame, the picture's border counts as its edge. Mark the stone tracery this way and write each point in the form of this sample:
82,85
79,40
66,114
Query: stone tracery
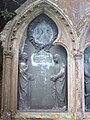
19,24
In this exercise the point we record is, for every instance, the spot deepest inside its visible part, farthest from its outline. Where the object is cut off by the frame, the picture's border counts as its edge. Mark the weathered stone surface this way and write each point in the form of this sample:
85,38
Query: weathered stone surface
1,68
75,9
72,14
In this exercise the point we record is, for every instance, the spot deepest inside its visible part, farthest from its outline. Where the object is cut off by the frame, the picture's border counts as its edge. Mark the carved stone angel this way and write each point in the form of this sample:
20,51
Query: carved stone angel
24,84
59,84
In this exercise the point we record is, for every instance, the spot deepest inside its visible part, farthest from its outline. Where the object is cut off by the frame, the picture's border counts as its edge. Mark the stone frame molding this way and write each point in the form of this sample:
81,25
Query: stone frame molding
12,36
84,42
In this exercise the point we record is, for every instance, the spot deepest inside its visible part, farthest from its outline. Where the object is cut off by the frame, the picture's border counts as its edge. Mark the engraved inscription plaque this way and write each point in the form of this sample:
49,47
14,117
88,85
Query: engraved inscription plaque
42,58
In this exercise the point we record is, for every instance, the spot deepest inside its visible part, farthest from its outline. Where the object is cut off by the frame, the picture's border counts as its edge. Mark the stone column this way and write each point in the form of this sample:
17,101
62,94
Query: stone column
78,83
7,56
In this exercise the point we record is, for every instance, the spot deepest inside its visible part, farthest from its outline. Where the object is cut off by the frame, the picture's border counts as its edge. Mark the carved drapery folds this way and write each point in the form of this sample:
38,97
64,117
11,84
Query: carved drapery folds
39,53
87,78
84,44
41,90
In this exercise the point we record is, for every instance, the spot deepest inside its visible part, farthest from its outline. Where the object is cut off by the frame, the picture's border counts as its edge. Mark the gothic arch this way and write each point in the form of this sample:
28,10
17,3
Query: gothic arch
13,35
33,10
83,43
84,38
83,32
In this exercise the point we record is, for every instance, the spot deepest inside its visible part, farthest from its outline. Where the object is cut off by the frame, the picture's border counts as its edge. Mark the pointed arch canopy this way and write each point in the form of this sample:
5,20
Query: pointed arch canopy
28,11
14,34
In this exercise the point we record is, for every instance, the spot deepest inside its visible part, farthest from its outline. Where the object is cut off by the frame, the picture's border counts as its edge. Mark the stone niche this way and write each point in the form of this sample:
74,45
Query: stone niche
43,65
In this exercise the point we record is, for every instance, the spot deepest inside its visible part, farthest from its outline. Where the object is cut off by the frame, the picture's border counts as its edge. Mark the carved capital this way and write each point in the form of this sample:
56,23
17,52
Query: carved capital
8,53
78,54
6,115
